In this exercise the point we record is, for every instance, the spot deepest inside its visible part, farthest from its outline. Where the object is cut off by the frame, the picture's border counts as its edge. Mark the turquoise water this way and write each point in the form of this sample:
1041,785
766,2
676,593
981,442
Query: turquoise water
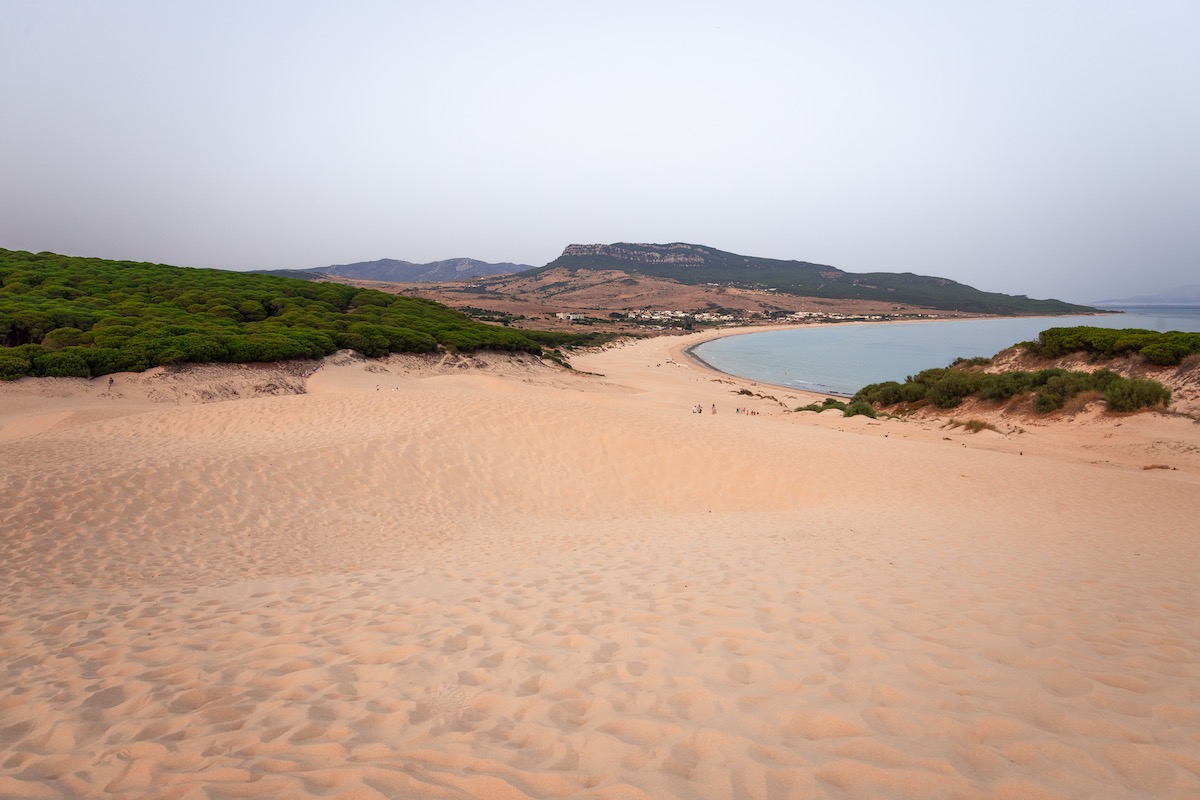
841,359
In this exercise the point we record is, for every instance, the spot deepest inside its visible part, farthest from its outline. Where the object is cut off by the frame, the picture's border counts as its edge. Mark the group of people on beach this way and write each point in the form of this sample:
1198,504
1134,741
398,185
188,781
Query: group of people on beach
699,409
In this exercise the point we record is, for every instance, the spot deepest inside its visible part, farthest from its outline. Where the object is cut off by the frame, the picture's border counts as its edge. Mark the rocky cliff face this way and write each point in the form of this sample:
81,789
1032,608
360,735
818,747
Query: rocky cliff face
676,253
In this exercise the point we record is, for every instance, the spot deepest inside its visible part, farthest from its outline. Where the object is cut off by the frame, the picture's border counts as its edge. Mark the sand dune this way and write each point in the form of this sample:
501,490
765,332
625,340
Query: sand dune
488,578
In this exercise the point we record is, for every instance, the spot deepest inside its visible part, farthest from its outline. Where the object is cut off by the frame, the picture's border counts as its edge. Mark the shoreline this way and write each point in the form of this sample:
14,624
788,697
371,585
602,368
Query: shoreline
689,351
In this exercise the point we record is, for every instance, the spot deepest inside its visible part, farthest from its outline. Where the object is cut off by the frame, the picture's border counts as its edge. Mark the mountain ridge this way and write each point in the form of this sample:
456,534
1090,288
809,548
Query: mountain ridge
697,265
398,271
693,264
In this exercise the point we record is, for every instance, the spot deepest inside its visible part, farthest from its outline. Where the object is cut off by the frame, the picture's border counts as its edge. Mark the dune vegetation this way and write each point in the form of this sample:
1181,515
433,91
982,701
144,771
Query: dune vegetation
1053,387
852,409
64,316
1162,349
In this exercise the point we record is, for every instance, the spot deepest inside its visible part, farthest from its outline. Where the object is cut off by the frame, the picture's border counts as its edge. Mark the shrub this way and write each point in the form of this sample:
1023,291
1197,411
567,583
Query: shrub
890,393
13,364
1103,378
1061,388
928,377
952,387
63,337
106,360
1134,393
1004,385
66,363
373,339
860,407
264,347
825,405
371,297
1171,349
352,341
1043,376
111,335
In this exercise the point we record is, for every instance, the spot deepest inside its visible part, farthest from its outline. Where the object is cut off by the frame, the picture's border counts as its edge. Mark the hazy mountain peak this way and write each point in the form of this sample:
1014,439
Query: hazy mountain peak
1180,295
396,271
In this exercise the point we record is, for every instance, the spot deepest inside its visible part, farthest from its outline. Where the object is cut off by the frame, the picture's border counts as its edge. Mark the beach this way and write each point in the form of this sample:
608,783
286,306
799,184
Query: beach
455,577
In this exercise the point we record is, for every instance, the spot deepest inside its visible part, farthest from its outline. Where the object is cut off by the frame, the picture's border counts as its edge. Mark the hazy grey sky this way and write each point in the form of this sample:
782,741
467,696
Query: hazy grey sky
1041,148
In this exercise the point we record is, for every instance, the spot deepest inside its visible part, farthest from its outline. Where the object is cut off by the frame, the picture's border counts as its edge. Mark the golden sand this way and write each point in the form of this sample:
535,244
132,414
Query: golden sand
489,578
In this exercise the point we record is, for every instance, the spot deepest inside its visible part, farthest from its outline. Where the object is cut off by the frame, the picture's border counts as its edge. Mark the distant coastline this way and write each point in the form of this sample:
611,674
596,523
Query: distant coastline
1122,307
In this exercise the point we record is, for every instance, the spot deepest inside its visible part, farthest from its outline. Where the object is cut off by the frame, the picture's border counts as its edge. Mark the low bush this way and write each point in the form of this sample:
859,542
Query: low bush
1136,393
13,364
1002,386
852,409
950,389
66,363
824,405
891,393
860,407
1058,389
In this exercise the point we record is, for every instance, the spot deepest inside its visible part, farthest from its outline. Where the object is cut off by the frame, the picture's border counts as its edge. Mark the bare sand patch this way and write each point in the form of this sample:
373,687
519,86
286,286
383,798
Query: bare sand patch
491,578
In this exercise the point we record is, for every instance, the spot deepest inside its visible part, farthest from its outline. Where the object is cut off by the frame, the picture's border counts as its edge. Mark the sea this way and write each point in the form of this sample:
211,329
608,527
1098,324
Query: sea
840,359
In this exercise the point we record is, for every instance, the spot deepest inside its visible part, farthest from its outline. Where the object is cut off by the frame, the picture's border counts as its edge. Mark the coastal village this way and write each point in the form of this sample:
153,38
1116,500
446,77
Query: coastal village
659,319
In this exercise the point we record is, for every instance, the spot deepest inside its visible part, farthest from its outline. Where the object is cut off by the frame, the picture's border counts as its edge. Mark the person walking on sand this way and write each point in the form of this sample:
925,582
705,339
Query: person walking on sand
110,381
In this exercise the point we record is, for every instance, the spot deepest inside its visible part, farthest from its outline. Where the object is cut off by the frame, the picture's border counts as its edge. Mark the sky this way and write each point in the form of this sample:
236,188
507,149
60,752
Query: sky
1042,148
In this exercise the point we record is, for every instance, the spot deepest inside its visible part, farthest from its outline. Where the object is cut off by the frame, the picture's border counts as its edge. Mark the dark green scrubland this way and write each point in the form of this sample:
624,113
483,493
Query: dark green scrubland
1051,388
64,316
1162,349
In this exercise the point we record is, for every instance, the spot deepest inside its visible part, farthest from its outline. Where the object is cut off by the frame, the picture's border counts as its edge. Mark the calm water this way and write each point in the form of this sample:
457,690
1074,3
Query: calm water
841,359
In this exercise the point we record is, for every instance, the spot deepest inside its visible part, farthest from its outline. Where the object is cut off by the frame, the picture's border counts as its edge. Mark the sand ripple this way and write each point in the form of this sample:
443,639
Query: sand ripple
458,590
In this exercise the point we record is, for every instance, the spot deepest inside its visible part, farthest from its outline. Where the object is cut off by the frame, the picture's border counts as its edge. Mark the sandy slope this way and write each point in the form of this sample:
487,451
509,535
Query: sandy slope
486,578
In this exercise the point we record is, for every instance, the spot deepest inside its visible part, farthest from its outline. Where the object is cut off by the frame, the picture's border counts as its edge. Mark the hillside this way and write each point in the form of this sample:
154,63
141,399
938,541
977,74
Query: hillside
63,316
632,302
696,264
390,269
